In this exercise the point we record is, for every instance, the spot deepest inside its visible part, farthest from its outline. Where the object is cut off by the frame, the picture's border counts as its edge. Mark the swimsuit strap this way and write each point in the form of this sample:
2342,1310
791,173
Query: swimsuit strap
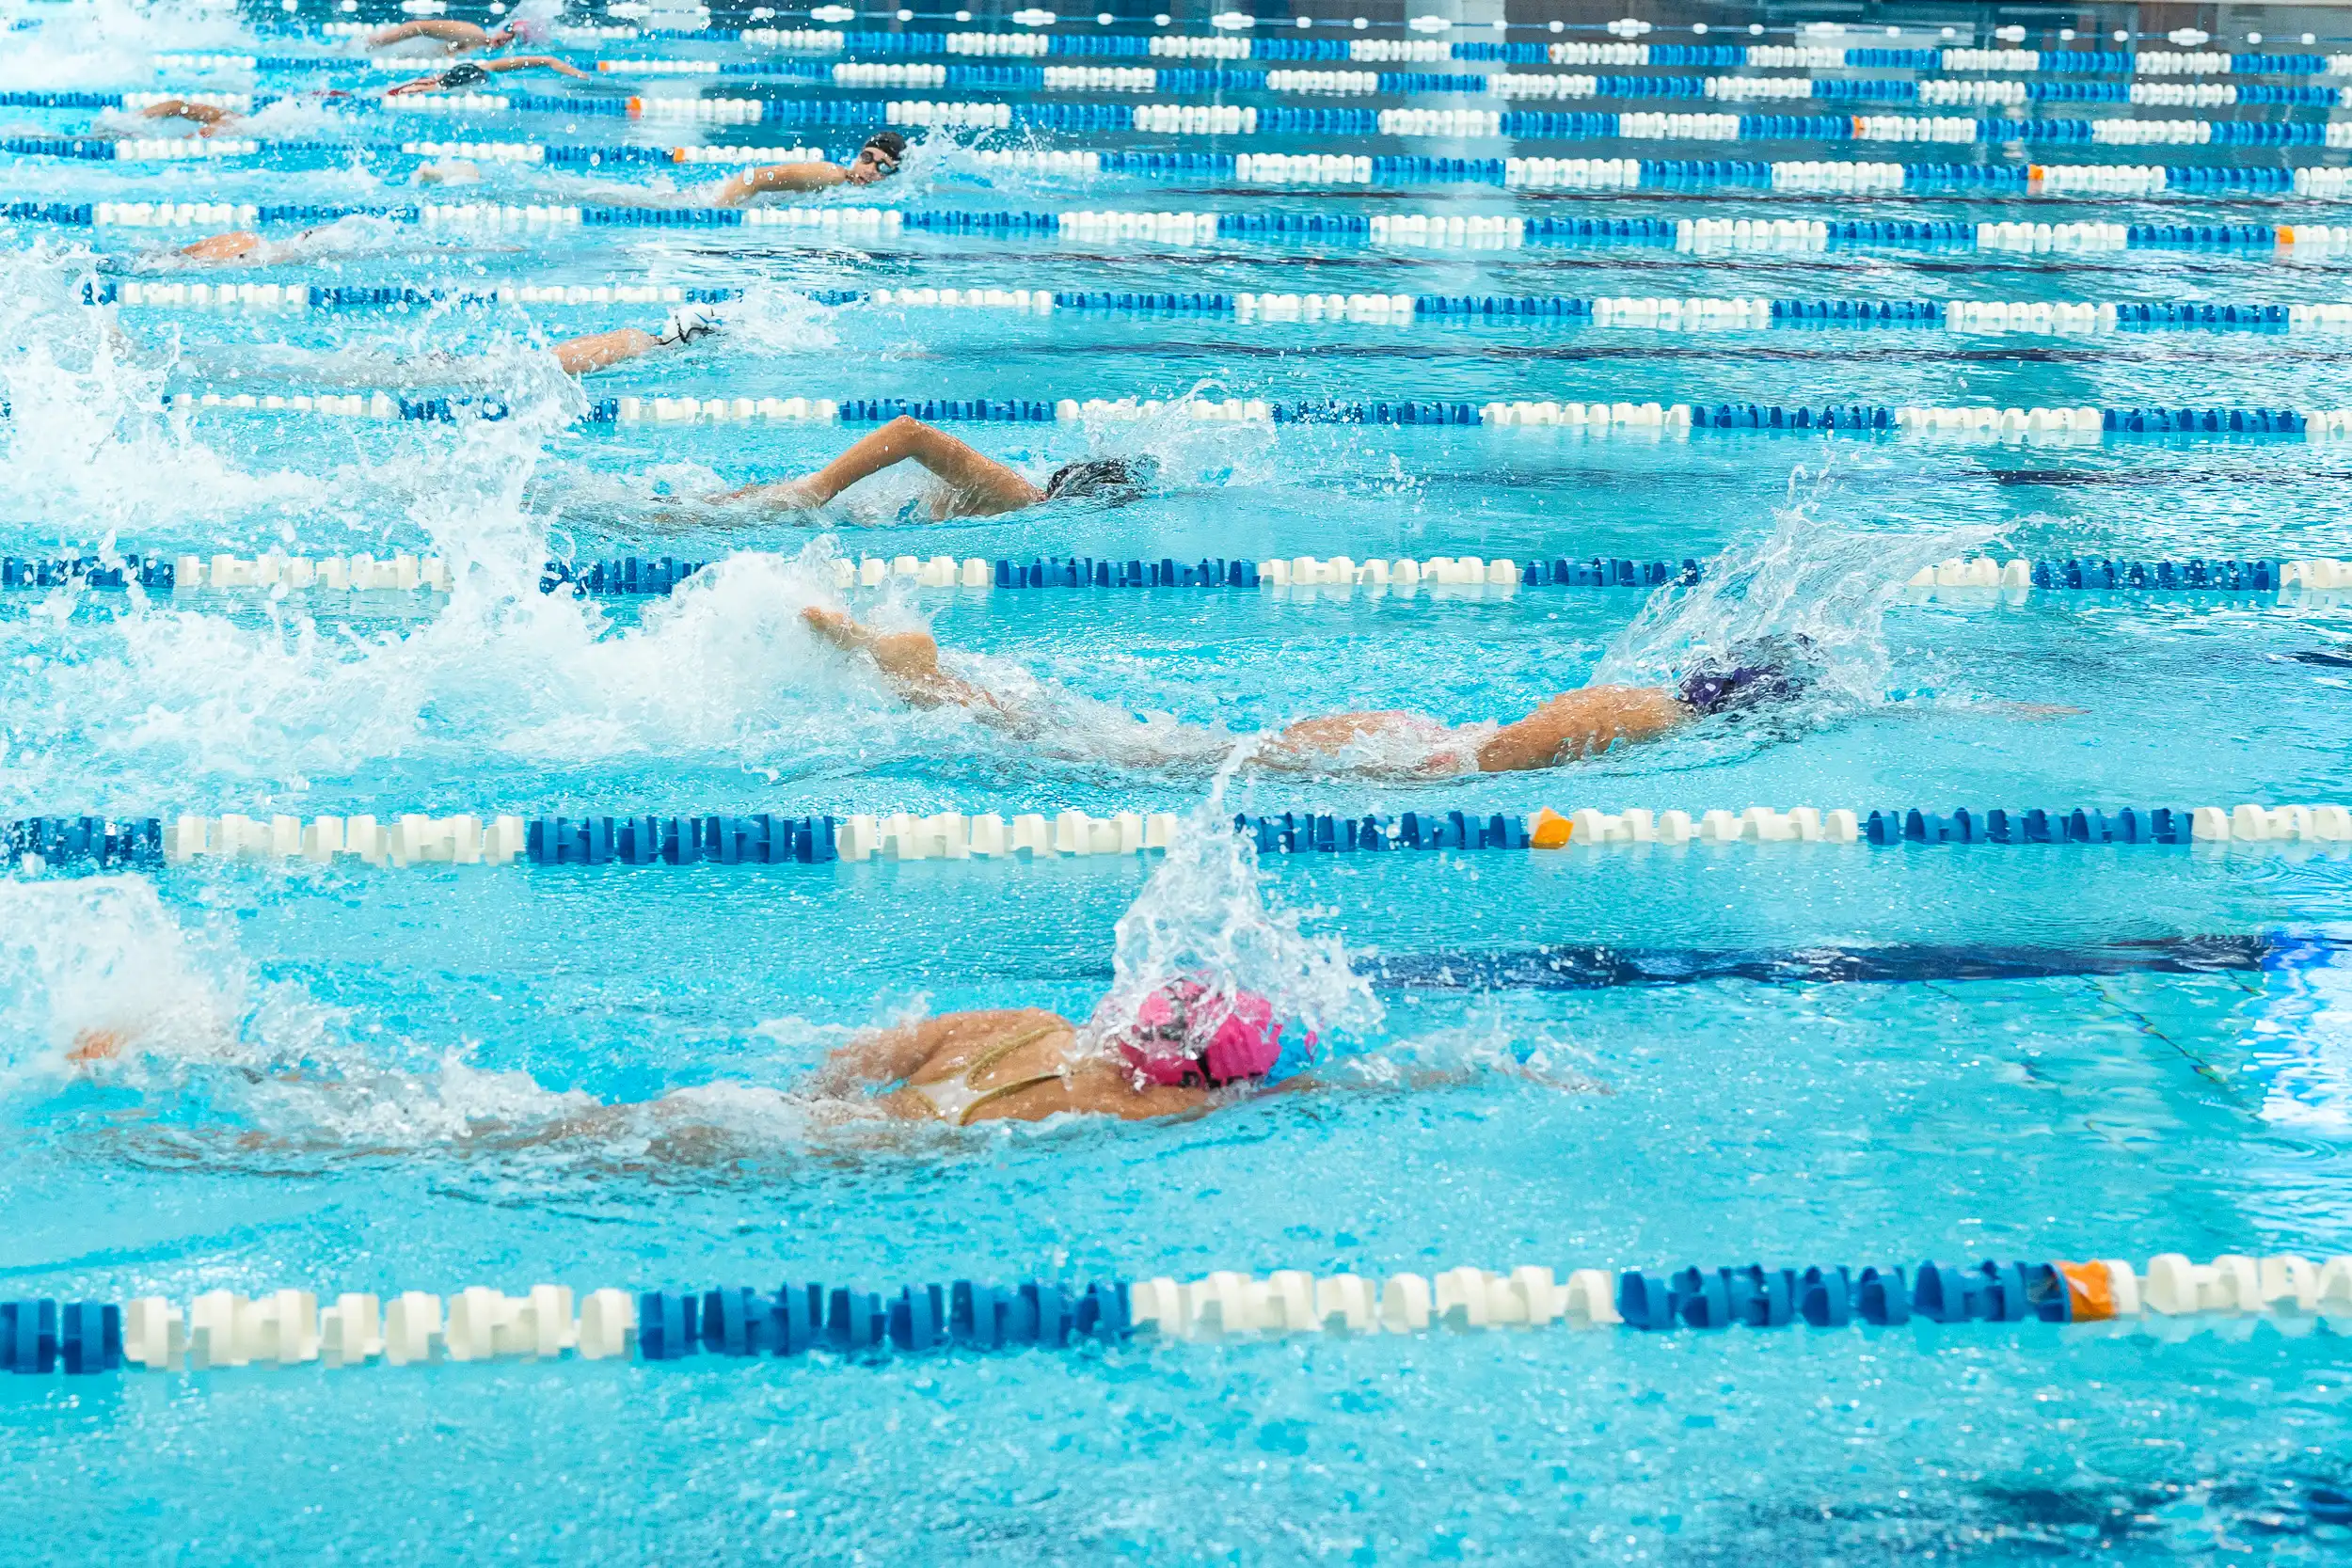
1004,1048
1002,1089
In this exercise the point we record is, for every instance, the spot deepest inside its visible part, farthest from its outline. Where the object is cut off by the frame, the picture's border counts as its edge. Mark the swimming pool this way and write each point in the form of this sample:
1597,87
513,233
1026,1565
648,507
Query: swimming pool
347,1076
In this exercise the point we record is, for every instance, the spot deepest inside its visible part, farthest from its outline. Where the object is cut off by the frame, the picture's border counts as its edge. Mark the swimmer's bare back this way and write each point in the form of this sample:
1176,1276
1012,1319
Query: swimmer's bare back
1384,744
1013,1064
233,246
1401,745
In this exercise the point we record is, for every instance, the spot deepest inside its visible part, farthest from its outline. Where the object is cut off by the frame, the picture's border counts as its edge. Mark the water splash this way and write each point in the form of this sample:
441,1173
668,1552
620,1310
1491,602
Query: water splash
100,959
1204,914
87,442
1811,583
109,42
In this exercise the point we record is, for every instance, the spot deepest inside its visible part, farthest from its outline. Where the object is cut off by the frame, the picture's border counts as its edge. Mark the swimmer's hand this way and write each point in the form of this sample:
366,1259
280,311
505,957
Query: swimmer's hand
836,628
93,1045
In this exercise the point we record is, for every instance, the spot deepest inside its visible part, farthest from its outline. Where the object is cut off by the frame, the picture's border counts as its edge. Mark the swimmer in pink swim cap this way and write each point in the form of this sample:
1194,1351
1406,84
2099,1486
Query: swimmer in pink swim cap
1184,1047
1184,1033
1181,1051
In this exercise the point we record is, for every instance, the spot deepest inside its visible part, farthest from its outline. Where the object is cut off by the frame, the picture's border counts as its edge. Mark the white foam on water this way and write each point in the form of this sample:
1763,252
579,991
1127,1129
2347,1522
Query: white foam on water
1205,915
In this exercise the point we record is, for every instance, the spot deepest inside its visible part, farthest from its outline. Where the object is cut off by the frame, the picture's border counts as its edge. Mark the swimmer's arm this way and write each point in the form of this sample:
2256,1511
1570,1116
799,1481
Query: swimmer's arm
180,108
457,35
747,183
1579,724
908,661
982,486
526,62
579,355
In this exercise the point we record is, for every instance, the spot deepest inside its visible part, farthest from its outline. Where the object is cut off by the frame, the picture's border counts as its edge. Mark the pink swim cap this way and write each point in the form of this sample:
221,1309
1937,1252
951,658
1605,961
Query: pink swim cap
1184,1033
529,29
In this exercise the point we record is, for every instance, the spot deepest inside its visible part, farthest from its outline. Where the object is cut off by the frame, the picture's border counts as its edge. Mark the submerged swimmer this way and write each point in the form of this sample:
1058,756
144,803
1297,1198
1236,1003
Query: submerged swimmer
1390,743
975,485
472,73
877,160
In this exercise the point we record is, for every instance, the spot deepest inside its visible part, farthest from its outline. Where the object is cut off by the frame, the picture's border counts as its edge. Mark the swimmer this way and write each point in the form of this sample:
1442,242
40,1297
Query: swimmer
209,119
582,356
459,37
1182,1049
976,486
594,351
1188,1046
1392,744
877,160
472,73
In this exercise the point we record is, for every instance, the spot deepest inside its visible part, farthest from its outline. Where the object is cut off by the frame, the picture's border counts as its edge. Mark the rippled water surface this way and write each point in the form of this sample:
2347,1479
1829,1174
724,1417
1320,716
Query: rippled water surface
353,1078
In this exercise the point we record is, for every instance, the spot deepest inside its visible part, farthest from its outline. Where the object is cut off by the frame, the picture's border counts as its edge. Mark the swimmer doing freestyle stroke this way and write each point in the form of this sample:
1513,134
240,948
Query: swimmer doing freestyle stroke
878,159
972,485
1172,1056
1392,743
460,37
472,73
1189,1047
582,356
210,119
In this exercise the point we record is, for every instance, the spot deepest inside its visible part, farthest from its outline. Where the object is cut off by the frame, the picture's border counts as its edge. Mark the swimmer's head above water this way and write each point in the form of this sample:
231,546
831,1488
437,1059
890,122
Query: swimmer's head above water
1185,1033
1113,479
1753,674
877,160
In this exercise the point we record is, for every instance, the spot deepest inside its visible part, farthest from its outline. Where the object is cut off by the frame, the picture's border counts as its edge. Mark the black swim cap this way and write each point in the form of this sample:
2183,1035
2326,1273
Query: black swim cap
465,73
1122,478
890,142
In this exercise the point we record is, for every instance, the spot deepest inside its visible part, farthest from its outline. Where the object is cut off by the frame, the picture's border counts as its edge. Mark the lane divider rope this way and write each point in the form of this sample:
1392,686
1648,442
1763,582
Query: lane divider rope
1663,313
1182,119
1226,46
2137,181
2079,425
2172,1299
1417,230
1993,92
41,844
634,576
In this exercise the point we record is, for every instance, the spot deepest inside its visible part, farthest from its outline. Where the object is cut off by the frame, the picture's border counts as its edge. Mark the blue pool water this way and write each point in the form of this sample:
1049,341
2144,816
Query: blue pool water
369,1079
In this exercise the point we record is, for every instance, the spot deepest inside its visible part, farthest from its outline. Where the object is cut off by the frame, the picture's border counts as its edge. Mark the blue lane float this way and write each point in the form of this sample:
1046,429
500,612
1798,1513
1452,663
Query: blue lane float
1828,313
1248,228
86,843
219,1330
631,575
927,45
